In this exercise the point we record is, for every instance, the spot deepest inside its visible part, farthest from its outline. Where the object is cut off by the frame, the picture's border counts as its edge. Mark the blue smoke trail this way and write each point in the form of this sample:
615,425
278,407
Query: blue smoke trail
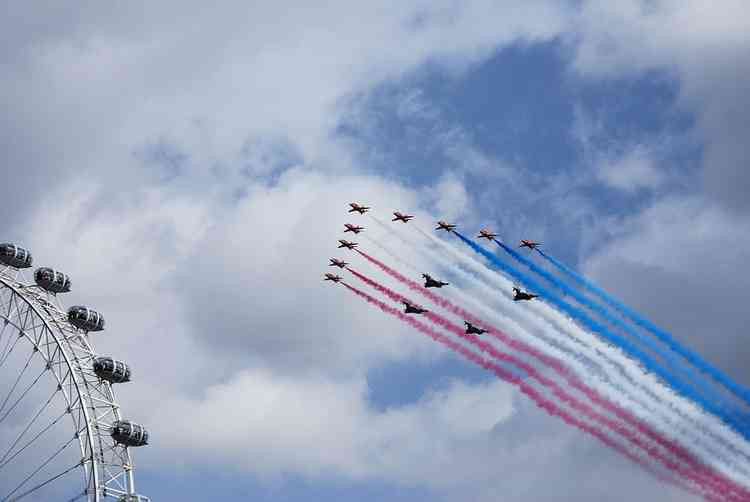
738,390
633,351
696,381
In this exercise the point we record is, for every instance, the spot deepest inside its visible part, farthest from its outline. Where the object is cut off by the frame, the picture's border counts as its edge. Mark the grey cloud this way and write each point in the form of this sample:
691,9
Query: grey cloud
706,50
682,263
86,87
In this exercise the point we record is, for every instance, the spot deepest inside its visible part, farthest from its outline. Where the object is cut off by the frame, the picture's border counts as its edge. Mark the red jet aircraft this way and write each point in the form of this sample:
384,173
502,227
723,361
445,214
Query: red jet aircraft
486,234
353,228
332,277
529,244
448,227
359,209
401,217
337,263
346,244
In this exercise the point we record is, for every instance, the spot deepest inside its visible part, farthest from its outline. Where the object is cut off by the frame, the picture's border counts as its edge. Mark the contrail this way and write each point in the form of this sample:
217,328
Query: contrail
597,327
527,389
613,355
697,469
702,432
681,418
691,378
513,343
697,361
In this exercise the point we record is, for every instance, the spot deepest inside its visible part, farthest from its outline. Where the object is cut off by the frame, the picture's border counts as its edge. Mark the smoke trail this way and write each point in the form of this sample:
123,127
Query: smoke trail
668,445
596,327
703,365
549,406
552,362
697,382
685,408
616,384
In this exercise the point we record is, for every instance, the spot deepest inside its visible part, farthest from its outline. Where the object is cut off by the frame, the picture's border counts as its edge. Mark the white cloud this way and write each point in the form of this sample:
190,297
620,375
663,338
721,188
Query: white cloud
631,171
317,426
209,79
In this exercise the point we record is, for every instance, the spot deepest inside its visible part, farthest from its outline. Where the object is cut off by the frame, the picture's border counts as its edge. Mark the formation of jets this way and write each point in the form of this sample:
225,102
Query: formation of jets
402,217
429,282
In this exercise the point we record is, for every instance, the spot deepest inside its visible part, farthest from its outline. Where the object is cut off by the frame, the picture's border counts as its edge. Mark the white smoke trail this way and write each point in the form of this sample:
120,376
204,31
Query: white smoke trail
678,419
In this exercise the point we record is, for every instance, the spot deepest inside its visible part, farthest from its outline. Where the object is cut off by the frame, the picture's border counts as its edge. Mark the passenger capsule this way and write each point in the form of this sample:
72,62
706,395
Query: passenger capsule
110,370
86,319
15,256
52,280
129,433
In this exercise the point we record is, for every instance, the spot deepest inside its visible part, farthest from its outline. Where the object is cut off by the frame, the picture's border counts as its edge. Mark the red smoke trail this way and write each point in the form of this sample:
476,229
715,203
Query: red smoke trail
700,474
547,405
688,458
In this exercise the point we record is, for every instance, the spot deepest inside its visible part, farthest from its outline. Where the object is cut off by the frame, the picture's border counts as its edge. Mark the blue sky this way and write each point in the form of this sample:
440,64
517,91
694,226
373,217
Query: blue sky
211,173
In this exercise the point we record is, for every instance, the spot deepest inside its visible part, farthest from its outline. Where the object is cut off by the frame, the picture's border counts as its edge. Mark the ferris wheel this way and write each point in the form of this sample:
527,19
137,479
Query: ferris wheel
62,434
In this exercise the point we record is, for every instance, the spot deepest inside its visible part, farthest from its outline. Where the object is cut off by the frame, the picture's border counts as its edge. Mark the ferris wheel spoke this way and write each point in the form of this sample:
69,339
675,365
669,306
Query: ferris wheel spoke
32,319
7,354
41,466
6,322
18,379
78,497
45,483
29,425
33,440
20,398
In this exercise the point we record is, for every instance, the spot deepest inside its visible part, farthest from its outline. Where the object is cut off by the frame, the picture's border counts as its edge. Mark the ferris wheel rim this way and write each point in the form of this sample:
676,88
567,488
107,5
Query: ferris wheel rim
90,433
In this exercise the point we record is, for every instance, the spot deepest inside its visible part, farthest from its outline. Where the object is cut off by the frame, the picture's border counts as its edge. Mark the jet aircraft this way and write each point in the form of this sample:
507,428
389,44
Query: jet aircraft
410,308
529,244
401,217
347,244
337,263
486,234
429,282
448,227
519,295
357,208
353,228
332,277
473,330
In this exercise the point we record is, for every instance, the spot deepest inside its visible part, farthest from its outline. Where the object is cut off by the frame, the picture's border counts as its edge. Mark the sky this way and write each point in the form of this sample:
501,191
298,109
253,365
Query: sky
190,166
